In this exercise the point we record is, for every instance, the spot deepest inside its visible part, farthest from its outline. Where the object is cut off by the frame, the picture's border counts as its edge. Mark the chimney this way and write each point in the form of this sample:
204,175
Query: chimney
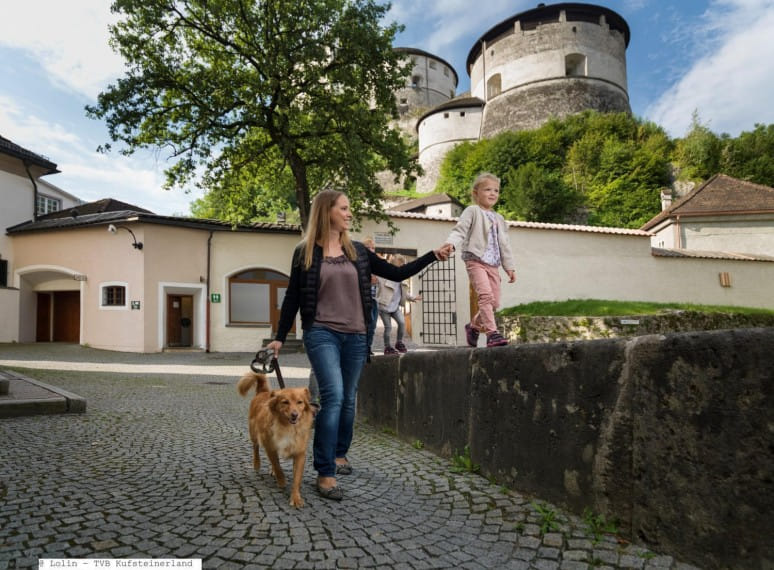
666,198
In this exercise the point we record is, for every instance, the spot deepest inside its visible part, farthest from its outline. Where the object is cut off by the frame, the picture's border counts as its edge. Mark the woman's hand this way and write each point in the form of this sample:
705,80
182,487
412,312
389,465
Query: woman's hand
275,347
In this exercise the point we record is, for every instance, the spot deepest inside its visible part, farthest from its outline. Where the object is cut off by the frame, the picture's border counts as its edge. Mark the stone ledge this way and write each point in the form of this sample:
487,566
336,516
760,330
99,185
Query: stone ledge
27,396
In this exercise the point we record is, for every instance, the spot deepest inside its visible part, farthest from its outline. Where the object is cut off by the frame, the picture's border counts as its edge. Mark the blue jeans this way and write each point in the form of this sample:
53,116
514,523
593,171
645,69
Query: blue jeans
337,360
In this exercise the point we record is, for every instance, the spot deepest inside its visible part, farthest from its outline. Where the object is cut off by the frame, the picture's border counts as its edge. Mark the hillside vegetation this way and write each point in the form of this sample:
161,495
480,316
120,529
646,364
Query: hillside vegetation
604,169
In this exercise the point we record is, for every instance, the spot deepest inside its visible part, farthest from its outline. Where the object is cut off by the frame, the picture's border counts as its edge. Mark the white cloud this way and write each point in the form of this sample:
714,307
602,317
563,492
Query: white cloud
730,85
69,39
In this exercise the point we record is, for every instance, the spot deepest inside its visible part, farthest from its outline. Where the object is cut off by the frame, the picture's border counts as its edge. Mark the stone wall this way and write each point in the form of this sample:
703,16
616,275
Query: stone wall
672,435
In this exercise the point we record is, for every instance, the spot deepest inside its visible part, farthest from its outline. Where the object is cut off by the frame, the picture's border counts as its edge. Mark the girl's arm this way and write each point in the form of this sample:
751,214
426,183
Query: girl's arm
462,229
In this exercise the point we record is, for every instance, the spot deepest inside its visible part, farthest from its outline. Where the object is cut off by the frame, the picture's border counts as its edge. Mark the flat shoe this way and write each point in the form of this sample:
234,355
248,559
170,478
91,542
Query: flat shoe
343,469
333,493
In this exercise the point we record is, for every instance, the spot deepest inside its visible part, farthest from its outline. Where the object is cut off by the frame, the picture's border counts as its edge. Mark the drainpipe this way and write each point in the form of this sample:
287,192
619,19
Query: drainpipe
207,300
34,193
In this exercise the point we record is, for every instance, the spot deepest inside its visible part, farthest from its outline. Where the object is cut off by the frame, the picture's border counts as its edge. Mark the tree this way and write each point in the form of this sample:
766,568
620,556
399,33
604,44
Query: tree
699,152
241,88
538,195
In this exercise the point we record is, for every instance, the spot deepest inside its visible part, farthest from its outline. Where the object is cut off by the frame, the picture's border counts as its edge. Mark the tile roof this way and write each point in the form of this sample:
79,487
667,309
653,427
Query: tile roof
104,212
12,149
720,195
698,254
531,225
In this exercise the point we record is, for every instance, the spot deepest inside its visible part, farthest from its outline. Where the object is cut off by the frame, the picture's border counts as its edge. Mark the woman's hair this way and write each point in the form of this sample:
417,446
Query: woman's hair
319,226
479,180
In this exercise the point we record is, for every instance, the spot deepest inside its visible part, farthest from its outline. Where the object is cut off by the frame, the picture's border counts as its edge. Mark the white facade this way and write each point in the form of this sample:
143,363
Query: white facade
441,130
432,82
17,197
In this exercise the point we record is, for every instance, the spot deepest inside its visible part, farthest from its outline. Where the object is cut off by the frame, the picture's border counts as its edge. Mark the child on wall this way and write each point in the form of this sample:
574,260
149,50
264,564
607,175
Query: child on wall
483,236
391,297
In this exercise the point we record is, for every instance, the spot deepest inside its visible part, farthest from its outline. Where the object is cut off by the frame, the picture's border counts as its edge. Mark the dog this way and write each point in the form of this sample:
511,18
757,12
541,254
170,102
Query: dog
280,421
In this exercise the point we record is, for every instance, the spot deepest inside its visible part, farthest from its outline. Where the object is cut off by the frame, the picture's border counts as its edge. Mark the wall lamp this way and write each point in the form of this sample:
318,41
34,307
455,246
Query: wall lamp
114,229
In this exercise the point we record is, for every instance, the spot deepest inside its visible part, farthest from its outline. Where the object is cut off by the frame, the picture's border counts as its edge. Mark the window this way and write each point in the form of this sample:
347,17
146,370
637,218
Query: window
432,64
446,115
462,113
575,65
493,86
446,71
403,101
3,273
255,296
416,81
46,204
113,296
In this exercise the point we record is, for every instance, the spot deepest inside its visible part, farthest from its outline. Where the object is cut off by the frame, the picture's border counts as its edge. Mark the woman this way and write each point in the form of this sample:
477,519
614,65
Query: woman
328,272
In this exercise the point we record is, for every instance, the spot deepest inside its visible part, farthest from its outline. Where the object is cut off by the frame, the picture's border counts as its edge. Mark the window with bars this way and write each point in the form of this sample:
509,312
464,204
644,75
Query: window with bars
114,296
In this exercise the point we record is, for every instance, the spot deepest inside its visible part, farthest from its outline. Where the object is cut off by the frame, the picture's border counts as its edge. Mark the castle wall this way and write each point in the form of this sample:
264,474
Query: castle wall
522,57
432,82
531,106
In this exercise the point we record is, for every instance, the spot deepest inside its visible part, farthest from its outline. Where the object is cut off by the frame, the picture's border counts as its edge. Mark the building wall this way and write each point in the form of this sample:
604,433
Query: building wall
555,263
438,134
753,235
232,253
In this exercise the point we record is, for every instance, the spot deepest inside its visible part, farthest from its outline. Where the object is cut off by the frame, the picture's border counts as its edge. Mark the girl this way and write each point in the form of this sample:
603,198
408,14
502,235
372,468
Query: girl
483,235
328,272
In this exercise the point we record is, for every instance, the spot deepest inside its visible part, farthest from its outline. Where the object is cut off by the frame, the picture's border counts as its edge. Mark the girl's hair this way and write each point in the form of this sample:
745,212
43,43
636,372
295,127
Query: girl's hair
319,227
479,180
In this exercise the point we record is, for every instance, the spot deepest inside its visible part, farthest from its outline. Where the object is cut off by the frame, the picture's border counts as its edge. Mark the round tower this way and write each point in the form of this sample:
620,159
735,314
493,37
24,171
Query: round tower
432,82
551,61
441,129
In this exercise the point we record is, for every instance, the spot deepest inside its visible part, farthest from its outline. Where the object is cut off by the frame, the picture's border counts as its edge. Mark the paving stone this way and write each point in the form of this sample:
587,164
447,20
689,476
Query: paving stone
160,466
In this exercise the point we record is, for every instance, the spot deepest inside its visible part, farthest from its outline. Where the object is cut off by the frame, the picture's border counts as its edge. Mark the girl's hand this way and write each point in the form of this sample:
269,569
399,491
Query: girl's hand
511,275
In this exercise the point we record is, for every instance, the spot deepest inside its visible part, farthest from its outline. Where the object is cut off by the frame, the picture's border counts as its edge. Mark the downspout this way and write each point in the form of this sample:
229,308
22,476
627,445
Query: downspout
679,233
207,300
34,193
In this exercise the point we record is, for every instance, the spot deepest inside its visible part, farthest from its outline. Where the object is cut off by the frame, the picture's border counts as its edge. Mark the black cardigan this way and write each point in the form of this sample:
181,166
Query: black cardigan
304,284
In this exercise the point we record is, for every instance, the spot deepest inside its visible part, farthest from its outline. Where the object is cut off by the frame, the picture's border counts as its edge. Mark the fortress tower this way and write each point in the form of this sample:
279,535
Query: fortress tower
551,61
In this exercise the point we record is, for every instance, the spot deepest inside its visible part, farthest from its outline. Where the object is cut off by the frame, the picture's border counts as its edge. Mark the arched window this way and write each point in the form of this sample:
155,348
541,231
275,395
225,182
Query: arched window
255,296
416,81
575,65
493,86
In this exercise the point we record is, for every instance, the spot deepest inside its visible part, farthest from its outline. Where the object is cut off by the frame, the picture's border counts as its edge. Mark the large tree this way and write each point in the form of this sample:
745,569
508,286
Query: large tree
242,90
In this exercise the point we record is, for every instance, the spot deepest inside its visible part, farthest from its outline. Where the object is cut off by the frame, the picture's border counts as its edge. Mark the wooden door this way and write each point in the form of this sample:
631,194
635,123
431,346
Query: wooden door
67,316
174,314
43,318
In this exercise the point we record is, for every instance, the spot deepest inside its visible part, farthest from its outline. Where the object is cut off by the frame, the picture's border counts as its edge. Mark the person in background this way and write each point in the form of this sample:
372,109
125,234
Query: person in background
328,272
483,237
391,297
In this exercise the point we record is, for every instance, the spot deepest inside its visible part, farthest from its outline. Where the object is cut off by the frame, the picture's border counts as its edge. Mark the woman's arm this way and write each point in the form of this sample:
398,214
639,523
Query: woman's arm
392,272
291,301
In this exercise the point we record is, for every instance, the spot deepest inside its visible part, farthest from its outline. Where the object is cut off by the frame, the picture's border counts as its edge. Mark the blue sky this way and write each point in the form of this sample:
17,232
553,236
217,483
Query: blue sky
712,56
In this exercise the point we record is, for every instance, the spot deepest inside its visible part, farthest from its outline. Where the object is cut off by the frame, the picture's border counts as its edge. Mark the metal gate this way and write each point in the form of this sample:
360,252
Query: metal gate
439,303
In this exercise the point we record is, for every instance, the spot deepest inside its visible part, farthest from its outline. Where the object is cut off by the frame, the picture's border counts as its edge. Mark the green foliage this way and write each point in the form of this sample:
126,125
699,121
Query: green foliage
750,156
599,524
536,194
610,165
699,152
462,463
547,518
271,96
605,308
418,444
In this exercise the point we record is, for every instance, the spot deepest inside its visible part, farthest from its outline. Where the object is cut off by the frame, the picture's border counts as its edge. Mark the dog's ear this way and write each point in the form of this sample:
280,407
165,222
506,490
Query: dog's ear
274,400
307,398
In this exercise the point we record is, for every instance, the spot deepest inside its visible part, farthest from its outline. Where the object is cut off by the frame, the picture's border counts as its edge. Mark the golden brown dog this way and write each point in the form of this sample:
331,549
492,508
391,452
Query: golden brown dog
281,422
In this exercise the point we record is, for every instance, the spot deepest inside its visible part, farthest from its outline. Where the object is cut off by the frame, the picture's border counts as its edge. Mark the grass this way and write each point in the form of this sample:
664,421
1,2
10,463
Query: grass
606,308
547,518
462,463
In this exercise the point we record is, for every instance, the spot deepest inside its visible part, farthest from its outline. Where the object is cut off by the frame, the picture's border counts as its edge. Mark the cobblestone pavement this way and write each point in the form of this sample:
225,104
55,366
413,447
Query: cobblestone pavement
159,467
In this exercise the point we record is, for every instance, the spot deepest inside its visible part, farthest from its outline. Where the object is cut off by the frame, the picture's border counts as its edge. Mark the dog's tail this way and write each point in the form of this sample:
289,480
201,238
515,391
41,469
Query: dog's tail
251,378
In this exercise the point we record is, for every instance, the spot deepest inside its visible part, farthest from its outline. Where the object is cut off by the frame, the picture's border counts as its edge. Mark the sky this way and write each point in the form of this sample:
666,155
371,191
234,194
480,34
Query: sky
714,57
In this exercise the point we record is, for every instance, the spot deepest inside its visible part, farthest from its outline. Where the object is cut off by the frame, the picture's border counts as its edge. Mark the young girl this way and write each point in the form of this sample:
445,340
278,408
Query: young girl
483,235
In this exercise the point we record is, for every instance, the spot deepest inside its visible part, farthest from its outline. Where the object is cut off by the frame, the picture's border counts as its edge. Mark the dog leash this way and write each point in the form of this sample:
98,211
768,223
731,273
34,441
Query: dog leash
265,363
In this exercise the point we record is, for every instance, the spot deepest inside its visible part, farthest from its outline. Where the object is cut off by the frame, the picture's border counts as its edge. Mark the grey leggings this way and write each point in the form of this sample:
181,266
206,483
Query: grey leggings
387,320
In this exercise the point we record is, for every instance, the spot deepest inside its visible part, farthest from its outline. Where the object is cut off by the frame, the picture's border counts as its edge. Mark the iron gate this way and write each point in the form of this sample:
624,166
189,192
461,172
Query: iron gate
439,303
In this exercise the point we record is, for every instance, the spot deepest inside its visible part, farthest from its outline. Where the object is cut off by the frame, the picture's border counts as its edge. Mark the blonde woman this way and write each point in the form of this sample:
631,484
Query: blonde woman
328,272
